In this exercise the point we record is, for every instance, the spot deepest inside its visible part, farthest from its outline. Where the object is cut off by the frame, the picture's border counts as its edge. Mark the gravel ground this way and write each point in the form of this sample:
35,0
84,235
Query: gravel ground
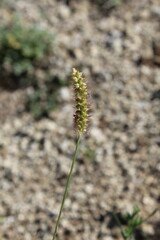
119,161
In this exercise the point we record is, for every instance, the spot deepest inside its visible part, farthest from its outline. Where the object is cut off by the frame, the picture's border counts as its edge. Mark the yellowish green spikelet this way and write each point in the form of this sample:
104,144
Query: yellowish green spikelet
81,116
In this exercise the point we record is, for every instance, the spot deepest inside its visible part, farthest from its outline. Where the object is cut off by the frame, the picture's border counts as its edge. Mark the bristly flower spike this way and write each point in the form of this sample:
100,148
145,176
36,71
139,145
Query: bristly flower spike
81,119
81,116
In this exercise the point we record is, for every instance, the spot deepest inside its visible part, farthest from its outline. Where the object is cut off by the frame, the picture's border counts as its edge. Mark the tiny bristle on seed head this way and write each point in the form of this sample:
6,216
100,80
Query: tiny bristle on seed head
81,116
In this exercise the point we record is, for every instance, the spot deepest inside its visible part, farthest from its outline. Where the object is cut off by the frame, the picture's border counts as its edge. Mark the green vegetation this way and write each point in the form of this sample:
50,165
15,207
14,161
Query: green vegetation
133,221
22,49
44,99
111,2
24,61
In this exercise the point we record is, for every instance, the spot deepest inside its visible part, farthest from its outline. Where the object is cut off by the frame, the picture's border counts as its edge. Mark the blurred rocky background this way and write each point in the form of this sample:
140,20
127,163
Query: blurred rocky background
116,44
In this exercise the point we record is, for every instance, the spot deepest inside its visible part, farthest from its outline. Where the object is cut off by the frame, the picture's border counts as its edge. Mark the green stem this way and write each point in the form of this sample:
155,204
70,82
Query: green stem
119,224
66,188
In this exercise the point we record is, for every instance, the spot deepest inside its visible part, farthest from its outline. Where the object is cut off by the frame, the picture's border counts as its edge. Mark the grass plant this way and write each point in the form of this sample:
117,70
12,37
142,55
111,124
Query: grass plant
81,120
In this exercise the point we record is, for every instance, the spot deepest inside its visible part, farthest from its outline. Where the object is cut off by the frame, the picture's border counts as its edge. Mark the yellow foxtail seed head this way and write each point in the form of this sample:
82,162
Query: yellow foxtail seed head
81,116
